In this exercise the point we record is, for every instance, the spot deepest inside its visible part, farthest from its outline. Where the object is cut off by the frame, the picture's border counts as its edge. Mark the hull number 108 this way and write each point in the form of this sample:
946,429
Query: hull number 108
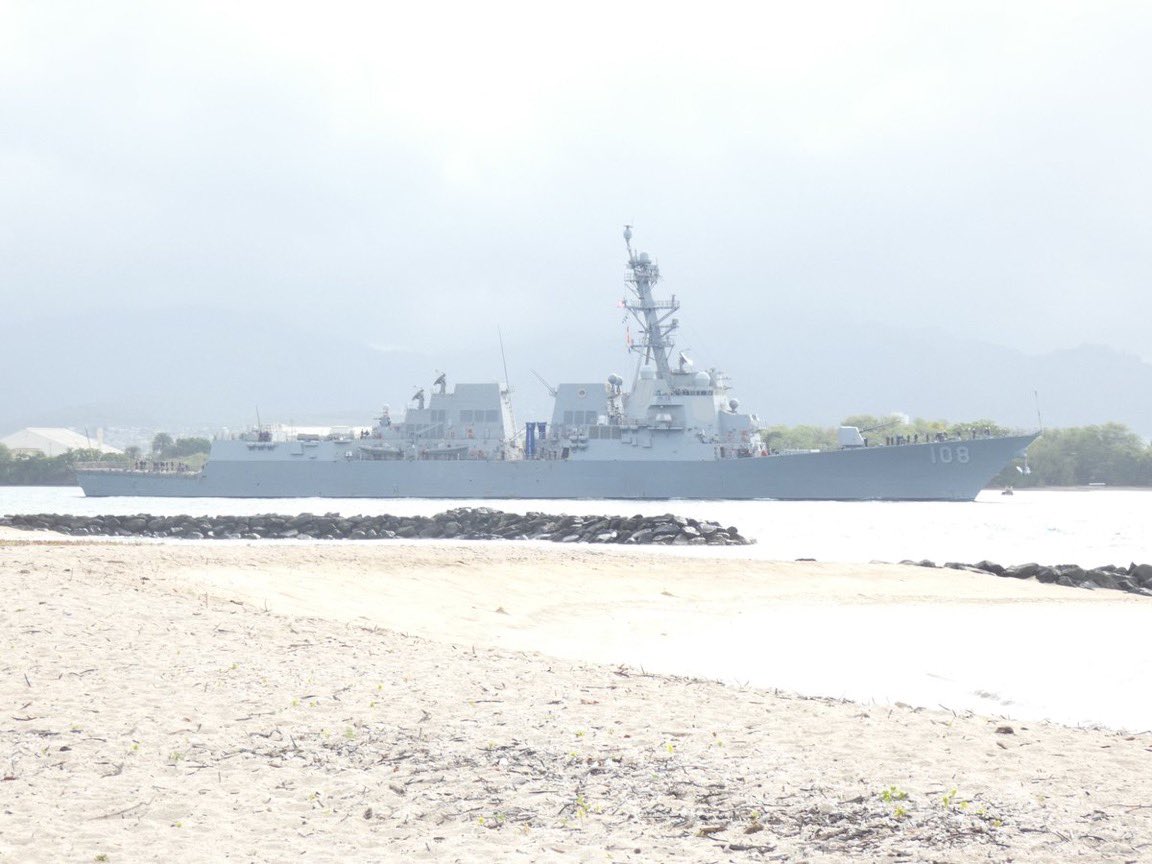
944,454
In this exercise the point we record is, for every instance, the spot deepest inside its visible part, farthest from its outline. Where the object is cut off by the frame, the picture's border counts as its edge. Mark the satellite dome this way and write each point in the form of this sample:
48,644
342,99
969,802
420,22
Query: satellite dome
703,379
643,258
615,380
733,404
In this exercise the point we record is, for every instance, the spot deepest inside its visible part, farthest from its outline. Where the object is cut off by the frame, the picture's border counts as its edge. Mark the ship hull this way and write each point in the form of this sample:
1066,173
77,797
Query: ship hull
948,471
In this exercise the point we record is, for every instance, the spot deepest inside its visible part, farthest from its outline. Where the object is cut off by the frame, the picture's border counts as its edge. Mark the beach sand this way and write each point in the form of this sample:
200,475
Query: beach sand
464,702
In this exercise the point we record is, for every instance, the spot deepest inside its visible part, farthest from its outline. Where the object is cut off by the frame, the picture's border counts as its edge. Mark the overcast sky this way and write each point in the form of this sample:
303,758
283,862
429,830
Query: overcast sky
407,173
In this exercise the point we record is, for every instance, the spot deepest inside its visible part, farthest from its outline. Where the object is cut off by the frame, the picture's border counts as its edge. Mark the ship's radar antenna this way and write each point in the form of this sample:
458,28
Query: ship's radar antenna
653,316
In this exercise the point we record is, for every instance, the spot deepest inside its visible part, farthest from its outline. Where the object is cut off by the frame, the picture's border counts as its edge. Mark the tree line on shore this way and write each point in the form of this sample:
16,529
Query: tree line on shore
1109,454
34,469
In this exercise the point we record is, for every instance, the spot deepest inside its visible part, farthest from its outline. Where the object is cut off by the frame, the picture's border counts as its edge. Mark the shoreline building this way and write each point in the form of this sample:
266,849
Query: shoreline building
53,441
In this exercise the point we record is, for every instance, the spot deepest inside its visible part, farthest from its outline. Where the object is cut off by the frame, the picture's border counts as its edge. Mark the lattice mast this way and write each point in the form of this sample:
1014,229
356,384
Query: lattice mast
653,316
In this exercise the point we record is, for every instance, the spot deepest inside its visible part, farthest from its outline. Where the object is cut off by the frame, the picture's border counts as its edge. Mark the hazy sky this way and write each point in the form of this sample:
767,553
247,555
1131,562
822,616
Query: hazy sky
407,173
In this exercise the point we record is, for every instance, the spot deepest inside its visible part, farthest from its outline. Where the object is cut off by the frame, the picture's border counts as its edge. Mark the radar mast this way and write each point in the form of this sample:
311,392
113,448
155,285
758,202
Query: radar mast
653,316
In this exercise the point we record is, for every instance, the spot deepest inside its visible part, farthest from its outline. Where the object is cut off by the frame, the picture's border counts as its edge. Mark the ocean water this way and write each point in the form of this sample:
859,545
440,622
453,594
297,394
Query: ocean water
1086,527
1073,663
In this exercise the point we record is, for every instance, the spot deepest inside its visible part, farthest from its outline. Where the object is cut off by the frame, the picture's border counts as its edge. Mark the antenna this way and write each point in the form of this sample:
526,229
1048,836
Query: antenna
503,359
551,390
259,425
507,383
1039,421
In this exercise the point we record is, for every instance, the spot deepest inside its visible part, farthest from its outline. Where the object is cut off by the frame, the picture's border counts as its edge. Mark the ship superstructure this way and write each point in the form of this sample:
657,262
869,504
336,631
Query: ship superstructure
671,413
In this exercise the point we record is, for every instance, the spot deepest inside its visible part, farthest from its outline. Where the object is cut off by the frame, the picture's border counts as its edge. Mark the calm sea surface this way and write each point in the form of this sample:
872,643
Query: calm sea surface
1087,527
1077,664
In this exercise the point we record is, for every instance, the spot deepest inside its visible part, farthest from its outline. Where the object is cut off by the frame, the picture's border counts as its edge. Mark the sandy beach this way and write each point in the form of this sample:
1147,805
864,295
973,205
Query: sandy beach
476,702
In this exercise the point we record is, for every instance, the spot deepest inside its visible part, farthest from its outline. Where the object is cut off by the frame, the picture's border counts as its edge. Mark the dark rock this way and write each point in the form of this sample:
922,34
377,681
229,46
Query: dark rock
1141,574
1123,583
464,522
1072,572
1024,571
1101,578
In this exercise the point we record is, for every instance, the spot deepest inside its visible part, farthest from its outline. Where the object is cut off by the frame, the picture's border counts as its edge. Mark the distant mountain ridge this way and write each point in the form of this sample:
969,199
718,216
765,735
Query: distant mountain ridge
205,367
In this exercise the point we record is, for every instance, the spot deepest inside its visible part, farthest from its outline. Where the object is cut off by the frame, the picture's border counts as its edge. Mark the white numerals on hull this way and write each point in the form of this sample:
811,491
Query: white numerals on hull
945,454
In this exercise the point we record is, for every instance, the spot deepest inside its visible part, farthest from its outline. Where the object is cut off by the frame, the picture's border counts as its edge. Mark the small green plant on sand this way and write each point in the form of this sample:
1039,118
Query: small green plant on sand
950,800
893,793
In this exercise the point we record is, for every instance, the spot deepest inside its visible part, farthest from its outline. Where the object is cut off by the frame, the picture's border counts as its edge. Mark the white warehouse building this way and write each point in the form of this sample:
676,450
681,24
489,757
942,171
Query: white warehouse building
51,441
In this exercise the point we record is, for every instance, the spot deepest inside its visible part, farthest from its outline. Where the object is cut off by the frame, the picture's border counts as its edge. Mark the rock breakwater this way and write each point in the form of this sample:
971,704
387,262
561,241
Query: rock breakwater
465,523
1135,578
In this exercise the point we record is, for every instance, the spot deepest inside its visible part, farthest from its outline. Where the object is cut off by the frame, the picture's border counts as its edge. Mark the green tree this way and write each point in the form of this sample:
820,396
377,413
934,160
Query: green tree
1111,454
184,447
38,470
778,438
161,443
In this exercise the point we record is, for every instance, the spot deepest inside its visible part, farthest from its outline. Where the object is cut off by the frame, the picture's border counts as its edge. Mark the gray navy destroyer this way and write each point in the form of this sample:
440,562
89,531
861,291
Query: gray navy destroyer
675,433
